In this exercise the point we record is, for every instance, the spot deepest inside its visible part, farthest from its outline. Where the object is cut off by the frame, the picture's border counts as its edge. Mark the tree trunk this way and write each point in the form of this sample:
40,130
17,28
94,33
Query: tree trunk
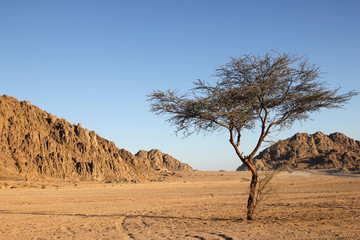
254,180
251,199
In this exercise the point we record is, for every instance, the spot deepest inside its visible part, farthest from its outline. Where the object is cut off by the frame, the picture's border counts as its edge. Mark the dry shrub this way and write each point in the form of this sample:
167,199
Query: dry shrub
265,190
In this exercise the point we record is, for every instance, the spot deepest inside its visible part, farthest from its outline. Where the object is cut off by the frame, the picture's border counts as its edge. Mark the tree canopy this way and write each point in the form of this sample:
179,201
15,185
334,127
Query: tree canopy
269,91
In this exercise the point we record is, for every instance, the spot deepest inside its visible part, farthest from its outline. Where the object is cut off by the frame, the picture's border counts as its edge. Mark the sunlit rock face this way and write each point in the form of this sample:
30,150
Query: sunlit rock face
35,144
311,151
163,162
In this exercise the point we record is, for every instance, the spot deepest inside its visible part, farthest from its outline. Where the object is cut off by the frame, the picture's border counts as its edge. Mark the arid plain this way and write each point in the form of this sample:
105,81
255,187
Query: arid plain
188,205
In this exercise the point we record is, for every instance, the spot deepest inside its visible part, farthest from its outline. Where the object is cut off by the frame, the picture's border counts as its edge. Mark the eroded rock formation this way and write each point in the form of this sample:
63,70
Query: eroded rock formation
163,162
35,144
311,151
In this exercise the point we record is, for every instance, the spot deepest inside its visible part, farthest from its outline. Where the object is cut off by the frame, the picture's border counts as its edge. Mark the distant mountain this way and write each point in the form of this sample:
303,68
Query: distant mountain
311,151
163,162
35,144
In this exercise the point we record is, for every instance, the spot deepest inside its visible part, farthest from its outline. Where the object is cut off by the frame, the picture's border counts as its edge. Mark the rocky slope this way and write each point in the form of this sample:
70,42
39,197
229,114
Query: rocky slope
311,151
35,144
163,162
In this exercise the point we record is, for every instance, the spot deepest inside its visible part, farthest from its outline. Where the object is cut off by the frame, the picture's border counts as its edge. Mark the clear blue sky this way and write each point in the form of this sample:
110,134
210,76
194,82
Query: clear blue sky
94,62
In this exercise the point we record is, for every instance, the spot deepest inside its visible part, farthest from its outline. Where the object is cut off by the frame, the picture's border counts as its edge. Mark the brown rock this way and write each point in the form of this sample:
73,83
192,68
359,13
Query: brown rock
35,144
311,151
163,162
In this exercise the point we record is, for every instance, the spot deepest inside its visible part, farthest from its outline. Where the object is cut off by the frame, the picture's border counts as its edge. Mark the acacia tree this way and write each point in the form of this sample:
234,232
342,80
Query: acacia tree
269,91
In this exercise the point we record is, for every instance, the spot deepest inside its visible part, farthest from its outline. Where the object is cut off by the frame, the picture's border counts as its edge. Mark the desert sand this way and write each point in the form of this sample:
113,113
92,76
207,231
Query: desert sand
189,205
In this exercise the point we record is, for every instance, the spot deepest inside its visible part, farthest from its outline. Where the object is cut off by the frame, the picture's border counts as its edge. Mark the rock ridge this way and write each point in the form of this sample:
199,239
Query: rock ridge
163,162
35,144
311,151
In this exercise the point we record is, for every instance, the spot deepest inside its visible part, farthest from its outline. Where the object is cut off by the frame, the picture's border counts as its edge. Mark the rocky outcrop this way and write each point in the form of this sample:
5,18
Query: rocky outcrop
35,144
163,162
311,151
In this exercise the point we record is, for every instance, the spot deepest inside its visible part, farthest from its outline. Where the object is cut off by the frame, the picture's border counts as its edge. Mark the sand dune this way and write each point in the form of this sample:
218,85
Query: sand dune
192,205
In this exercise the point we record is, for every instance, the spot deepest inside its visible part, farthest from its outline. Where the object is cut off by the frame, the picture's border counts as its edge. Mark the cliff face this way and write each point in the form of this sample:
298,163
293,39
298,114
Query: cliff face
35,144
311,151
163,162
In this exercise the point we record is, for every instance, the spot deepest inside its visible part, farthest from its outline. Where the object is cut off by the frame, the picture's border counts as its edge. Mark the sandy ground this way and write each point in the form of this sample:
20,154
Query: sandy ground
195,205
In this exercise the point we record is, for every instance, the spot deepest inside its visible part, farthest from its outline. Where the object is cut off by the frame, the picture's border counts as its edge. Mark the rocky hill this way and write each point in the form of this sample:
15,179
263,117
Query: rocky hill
35,144
163,162
311,151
